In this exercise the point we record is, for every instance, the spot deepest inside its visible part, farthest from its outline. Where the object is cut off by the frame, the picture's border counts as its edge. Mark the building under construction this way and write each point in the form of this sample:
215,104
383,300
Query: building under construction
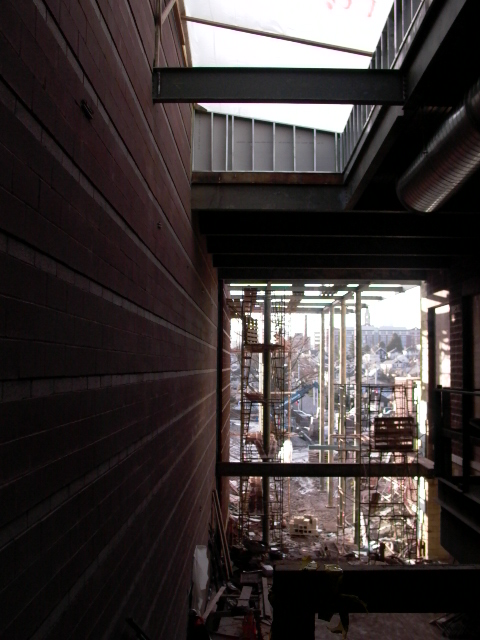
371,510
132,199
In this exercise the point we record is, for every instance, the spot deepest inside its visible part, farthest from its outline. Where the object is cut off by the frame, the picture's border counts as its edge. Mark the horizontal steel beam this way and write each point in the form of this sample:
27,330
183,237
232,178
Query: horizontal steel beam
354,224
274,198
384,589
307,86
257,274
266,177
328,261
327,470
246,244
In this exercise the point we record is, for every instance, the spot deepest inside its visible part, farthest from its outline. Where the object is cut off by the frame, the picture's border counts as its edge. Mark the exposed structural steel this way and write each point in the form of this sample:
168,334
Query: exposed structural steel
299,595
276,36
231,144
450,157
242,84
267,397
324,470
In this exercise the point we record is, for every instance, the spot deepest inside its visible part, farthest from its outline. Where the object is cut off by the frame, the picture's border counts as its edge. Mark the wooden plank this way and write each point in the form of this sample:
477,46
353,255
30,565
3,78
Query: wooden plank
223,537
243,600
212,605
266,602
167,10
222,542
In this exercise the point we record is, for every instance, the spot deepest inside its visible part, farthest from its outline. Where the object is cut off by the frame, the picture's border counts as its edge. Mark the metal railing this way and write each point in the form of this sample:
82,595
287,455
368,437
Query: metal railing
467,436
394,36
237,144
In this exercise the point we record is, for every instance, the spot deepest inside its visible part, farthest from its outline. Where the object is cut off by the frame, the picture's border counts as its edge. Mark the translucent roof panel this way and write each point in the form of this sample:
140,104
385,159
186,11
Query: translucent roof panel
355,24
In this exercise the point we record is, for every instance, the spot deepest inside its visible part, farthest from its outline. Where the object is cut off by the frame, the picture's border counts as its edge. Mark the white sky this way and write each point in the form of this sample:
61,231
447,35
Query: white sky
400,310
351,23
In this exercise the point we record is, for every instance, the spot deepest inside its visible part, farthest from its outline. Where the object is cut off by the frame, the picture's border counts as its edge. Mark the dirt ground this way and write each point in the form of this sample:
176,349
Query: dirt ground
309,496
302,496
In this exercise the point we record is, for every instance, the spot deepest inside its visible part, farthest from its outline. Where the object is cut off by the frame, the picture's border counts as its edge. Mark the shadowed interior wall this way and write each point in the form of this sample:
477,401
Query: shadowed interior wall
223,411
108,328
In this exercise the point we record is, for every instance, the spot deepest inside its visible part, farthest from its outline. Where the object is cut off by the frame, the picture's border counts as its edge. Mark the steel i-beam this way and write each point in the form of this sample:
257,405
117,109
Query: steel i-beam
308,86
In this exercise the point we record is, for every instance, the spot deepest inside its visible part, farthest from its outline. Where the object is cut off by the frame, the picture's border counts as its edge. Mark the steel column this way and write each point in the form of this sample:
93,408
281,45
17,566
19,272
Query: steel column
266,409
321,391
358,404
331,397
342,397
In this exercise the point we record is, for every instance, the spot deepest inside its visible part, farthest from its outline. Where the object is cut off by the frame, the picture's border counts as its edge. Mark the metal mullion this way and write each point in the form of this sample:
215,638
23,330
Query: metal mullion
294,149
406,16
398,22
415,6
384,40
273,147
336,159
253,144
391,37
226,143
211,141
233,143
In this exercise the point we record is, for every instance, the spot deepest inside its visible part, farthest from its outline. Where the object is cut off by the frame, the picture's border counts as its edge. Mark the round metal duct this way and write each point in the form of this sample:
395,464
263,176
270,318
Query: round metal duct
450,158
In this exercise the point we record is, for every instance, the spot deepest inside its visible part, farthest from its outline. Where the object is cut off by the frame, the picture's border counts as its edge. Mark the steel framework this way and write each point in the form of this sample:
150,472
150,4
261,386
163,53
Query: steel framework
253,506
386,509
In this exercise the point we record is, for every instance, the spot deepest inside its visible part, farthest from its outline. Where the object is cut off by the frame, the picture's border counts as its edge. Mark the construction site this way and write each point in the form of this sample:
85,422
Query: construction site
370,519
206,431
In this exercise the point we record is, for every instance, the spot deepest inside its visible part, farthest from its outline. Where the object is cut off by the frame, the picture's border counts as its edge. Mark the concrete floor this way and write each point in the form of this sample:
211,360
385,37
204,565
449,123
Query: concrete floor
384,626
371,626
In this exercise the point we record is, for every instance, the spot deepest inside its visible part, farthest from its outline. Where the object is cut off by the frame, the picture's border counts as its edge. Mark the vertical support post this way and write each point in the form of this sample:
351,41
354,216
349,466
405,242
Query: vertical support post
219,442
468,377
331,396
358,406
343,365
158,32
433,416
226,143
289,415
211,141
233,143
273,149
253,144
266,408
437,423
294,149
342,396
321,393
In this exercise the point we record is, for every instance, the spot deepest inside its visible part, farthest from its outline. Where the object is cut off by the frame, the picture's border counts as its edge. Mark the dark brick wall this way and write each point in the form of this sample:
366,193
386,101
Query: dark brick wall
108,328
224,409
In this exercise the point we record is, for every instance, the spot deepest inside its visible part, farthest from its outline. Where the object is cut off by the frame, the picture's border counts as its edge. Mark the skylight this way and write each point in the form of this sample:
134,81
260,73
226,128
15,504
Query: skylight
354,24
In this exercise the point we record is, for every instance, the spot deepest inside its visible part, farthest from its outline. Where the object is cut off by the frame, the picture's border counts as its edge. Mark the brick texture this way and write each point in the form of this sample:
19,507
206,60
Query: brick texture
108,329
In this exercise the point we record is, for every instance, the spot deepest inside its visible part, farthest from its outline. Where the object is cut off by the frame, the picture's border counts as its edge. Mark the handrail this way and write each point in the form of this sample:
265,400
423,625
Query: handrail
395,33
453,390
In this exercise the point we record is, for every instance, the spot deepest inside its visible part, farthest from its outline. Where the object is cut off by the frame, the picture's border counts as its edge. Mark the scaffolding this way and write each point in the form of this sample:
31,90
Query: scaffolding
253,509
379,515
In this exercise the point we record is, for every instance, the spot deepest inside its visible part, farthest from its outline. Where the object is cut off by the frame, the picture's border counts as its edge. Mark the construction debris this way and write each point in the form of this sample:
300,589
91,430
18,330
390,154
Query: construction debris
304,526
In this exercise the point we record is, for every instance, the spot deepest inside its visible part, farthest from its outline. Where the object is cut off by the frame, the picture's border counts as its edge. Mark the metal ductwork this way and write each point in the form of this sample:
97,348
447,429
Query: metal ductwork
449,159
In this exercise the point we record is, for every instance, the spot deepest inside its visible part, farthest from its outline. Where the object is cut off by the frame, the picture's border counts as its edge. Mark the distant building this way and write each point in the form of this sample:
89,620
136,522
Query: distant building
372,336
